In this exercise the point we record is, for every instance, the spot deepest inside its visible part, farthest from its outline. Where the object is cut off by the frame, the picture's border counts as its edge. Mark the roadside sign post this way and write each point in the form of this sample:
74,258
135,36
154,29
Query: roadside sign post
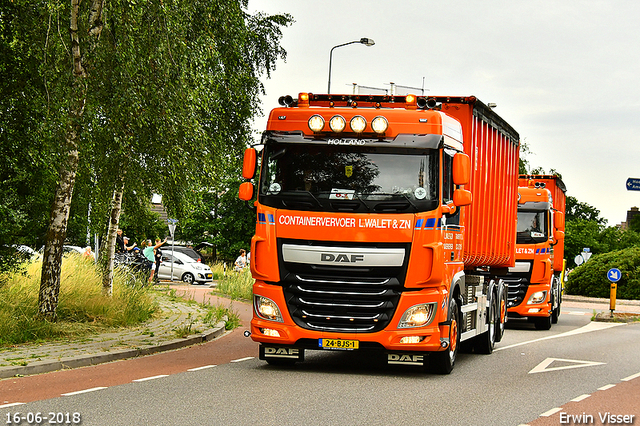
614,276
172,229
633,184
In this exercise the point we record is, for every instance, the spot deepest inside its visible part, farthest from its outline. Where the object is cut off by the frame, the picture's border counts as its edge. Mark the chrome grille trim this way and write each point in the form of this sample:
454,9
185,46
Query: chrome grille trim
325,281
346,305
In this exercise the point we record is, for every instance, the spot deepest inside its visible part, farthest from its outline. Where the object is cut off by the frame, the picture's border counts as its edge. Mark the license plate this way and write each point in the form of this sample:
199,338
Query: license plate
338,344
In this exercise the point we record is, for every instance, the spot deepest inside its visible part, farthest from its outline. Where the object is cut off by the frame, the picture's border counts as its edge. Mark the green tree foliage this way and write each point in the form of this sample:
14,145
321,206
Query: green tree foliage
584,211
591,280
122,97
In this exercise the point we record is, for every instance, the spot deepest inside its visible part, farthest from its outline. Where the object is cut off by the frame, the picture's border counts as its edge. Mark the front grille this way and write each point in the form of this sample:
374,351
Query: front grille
518,287
346,299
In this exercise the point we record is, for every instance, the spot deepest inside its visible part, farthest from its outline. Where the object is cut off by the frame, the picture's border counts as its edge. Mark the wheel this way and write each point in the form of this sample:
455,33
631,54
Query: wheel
502,315
443,362
188,278
542,323
485,342
555,312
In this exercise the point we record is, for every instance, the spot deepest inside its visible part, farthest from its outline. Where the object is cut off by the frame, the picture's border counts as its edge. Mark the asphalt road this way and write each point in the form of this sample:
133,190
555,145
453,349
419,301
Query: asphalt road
531,373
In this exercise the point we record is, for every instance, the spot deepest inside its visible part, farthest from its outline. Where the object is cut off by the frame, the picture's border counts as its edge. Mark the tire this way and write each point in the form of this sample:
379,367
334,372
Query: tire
443,362
555,312
542,323
485,342
502,315
188,278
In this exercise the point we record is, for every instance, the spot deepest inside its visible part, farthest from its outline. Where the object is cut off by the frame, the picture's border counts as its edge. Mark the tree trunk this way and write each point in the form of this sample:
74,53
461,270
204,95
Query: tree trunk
57,231
114,222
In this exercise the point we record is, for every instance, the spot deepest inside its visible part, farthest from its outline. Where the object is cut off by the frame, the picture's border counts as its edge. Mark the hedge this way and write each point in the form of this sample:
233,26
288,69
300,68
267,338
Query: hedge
590,279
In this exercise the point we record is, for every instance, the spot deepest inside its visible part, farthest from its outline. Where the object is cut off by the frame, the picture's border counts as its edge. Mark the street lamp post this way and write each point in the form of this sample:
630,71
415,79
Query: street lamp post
364,40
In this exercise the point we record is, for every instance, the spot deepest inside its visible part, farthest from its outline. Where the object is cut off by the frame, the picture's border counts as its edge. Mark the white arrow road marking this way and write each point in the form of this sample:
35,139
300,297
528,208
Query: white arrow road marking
544,365
592,326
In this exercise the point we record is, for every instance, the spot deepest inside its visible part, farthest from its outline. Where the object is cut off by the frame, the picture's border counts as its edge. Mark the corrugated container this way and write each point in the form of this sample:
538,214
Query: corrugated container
490,221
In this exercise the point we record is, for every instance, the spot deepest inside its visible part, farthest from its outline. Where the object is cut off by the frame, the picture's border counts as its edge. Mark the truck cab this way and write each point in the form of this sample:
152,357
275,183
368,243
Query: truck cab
535,283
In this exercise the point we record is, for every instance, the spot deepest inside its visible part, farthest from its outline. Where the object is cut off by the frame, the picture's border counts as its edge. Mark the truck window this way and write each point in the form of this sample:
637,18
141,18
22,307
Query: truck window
532,227
447,177
448,186
365,178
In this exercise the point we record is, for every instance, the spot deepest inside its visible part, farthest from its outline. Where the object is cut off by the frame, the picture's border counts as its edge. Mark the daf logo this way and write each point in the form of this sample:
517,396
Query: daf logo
405,359
341,258
281,351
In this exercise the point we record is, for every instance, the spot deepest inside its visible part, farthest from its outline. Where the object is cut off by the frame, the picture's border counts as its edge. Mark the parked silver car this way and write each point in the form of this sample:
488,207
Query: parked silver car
184,269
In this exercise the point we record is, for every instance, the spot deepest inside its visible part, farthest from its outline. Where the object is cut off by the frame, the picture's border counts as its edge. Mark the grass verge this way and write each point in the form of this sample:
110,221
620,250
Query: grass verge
237,285
82,308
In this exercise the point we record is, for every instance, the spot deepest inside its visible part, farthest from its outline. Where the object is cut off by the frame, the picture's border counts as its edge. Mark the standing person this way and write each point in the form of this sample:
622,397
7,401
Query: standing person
128,248
241,261
149,253
119,242
158,254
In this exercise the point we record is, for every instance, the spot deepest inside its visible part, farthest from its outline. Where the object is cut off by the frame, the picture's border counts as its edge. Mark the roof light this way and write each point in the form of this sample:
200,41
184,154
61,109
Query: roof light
337,123
316,123
303,100
379,124
358,124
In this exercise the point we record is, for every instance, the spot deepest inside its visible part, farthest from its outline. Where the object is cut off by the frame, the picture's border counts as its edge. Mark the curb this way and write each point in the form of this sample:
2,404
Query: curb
584,299
39,367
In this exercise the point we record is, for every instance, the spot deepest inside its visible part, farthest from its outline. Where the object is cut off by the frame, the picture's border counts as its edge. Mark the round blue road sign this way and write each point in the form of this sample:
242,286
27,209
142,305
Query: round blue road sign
614,275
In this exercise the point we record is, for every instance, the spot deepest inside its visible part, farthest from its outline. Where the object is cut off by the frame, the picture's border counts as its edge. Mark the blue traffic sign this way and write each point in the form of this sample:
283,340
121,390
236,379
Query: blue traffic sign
633,184
614,275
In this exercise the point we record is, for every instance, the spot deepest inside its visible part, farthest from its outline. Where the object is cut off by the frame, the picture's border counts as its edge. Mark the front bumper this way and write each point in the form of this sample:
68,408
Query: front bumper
290,334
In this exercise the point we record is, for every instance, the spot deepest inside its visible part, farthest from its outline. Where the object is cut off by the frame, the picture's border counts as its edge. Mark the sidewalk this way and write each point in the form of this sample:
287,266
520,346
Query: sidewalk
600,305
157,335
160,335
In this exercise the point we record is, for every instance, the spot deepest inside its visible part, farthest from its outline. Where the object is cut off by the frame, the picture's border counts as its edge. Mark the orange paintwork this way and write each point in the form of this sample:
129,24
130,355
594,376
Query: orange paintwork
485,237
546,258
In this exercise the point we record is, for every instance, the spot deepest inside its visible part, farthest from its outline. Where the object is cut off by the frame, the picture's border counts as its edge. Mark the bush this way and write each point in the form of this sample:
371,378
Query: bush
590,279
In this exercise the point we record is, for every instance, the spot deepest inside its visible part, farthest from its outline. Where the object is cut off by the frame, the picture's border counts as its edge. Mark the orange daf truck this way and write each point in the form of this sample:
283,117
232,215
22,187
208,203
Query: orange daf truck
383,224
536,280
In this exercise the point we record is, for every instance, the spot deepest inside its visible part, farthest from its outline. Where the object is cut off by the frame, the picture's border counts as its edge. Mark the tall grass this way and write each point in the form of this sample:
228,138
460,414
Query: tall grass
237,285
82,307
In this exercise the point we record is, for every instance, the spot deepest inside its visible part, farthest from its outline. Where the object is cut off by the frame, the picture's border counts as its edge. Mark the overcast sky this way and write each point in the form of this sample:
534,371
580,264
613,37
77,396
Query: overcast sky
564,74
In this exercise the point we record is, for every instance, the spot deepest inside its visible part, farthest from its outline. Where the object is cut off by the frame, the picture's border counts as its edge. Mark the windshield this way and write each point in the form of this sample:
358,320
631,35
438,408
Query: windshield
532,227
349,178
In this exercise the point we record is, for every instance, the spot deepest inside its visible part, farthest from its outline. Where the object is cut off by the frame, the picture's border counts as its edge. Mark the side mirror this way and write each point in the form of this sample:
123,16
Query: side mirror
558,220
462,197
558,235
461,168
246,191
249,163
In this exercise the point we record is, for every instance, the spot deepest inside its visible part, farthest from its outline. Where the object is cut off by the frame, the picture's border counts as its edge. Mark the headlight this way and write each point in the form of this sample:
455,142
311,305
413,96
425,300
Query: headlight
358,124
267,309
537,297
379,124
337,123
316,123
418,315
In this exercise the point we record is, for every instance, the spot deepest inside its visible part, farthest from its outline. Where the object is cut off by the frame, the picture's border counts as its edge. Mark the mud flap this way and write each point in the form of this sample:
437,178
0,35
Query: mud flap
406,358
268,352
